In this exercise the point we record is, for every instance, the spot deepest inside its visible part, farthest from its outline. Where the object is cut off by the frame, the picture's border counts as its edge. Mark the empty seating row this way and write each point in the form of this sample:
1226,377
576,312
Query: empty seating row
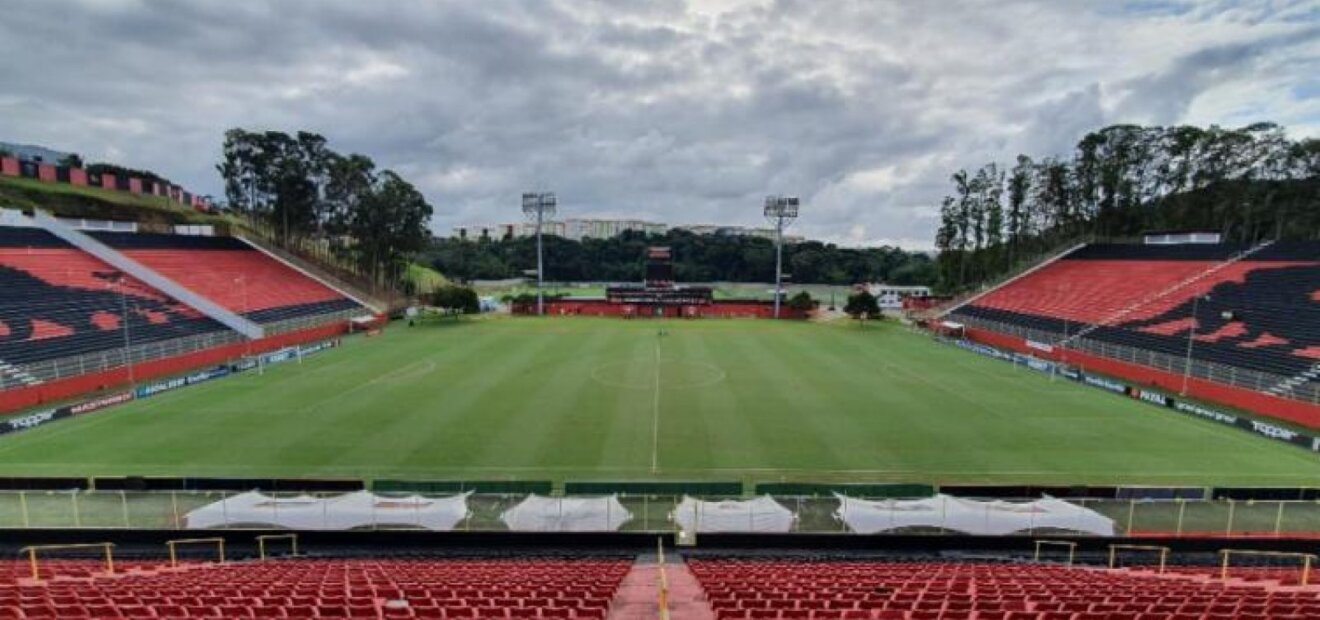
832,588
321,588
62,305
1259,312
61,302
232,274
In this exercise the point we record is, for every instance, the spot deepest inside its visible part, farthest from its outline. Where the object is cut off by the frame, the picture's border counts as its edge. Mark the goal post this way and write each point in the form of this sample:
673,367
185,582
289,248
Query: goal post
33,550
262,540
172,544
1068,544
1306,559
1163,553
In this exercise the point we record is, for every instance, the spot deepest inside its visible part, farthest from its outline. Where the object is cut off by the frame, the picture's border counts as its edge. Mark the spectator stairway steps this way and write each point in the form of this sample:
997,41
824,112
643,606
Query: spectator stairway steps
1145,301
22,376
1285,387
161,283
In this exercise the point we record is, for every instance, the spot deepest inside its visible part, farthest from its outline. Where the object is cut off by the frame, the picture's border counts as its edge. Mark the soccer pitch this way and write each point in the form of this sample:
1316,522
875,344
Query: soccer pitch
609,399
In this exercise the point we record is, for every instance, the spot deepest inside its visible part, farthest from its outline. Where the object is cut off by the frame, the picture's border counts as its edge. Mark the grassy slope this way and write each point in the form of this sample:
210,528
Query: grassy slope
73,201
425,278
577,398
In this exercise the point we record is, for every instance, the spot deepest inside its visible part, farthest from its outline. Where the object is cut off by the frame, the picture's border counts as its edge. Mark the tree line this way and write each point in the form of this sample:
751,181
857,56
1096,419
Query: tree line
697,258
1248,184
301,188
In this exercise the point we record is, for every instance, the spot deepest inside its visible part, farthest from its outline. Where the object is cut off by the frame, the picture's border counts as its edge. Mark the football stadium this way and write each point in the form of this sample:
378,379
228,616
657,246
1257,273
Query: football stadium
280,390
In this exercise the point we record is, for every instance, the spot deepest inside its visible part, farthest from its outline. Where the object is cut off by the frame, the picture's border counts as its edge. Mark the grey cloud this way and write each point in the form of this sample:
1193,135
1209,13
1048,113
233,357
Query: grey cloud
664,109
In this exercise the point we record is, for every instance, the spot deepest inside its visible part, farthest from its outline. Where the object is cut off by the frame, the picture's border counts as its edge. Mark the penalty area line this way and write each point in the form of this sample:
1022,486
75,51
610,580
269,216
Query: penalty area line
655,414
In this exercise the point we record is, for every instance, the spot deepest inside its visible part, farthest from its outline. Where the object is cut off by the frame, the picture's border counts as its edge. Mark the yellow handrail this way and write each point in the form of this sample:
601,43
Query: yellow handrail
1307,560
1072,548
1163,551
33,549
663,596
174,561
261,543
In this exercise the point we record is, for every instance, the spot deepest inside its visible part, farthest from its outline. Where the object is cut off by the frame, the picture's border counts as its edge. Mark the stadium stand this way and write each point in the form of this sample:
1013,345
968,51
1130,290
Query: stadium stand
63,309
1254,309
60,302
472,587
233,274
918,590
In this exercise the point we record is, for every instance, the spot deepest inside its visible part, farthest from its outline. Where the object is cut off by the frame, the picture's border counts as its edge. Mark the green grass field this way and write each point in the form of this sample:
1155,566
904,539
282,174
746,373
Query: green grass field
608,399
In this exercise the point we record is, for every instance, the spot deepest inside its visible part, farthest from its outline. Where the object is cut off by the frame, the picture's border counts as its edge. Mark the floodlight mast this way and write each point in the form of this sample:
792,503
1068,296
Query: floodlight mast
538,206
780,211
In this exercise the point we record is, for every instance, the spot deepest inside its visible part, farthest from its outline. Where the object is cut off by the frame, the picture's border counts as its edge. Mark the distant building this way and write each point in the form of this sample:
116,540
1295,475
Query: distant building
736,231
891,296
576,229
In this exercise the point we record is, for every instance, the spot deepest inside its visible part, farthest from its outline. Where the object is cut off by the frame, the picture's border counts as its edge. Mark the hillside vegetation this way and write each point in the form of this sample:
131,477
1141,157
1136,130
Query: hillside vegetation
94,203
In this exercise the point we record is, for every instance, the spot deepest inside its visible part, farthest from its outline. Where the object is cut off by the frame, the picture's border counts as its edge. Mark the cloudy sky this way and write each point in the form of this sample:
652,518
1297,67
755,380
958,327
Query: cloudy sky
683,112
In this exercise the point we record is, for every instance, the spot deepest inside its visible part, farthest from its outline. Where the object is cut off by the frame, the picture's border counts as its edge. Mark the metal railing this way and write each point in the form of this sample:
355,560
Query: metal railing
169,510
1178,364
110,359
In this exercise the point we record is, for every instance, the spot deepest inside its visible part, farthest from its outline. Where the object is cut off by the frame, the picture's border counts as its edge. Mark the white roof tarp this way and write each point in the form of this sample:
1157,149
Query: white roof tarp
970,516
538,513
762,514
339,512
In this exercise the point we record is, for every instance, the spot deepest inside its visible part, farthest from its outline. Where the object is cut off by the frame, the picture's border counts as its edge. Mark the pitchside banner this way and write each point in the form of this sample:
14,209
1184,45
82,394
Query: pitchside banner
35,419
200,376
1153,397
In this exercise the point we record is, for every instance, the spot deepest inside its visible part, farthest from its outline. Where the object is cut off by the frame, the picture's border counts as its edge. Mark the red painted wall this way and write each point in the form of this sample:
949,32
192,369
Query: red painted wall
46,172
77,176
9,166
718,309
135,185
107,180
21,398
1265,404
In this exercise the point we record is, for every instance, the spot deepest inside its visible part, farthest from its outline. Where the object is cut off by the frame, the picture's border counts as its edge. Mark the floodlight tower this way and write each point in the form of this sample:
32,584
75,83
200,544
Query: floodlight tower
538,206
780,211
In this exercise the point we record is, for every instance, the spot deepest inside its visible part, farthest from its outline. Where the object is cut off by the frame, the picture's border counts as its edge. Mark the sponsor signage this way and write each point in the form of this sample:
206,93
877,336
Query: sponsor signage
1104,384
101,403
32,420
1154,397
1265,429
38,418
178,382
1040,346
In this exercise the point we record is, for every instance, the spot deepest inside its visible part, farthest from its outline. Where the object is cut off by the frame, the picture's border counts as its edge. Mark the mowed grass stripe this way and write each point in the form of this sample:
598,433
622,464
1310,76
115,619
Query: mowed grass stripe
573,398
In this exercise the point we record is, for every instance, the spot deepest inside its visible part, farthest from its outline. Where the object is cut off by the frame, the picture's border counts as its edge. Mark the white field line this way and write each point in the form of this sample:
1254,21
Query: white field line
655,414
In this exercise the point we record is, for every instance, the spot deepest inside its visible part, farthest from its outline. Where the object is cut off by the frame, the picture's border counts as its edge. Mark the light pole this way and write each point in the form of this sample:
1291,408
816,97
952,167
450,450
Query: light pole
537,206
118,279
1191,337
781,211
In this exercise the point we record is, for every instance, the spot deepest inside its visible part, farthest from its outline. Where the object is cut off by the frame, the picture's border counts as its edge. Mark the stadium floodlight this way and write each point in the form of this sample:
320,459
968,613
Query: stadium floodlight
537,206
120,281
781,211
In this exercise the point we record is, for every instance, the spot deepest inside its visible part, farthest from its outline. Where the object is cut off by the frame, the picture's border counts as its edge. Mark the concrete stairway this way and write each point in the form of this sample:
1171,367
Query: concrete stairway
640,591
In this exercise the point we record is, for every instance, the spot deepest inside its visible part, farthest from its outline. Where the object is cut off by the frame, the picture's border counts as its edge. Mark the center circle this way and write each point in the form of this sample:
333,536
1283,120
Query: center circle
641,374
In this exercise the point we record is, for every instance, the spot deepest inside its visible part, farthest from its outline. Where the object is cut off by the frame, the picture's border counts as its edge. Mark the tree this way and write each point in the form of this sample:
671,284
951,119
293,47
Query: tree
301,187
861,306
72,160
456,299
802,302
1249,184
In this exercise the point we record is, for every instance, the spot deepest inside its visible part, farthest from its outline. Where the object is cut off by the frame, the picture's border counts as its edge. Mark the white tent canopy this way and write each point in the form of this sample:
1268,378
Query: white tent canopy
340,512
970,516
762,514
538,513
